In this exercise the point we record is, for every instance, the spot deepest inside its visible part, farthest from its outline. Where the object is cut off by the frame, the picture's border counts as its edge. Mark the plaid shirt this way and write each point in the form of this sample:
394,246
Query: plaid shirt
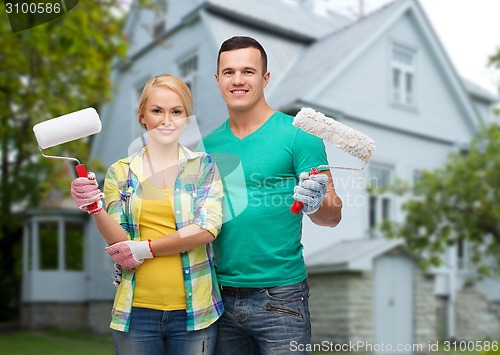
197,200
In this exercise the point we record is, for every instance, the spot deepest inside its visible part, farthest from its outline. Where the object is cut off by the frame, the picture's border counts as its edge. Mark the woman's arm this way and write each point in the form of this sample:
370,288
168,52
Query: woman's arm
88,197
184,239
203,229
109,228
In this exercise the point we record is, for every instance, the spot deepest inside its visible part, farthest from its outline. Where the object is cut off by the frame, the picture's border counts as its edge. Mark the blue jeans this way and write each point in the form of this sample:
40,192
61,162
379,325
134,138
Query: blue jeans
155,332
265,321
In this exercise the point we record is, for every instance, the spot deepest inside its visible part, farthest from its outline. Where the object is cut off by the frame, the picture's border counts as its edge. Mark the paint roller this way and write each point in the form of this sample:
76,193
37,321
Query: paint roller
343,137
66,128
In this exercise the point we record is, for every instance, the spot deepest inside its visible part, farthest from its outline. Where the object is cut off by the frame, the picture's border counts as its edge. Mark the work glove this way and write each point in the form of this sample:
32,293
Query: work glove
116,275
130,254
86,194
310,190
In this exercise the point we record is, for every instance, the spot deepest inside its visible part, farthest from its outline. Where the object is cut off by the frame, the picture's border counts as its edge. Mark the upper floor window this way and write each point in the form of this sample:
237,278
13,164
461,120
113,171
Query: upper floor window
188,70
159,23
403,76
137,130
188,67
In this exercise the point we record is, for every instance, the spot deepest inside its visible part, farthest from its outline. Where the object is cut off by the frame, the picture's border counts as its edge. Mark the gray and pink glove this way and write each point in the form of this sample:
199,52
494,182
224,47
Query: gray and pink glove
130,254
86,194
311,191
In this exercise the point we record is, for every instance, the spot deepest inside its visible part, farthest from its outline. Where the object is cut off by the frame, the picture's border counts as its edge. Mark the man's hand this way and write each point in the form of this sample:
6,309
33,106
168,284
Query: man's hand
130,254
86,194
310,191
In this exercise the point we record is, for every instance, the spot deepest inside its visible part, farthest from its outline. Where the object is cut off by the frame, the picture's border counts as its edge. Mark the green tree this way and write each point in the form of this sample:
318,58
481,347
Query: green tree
47,71
458,202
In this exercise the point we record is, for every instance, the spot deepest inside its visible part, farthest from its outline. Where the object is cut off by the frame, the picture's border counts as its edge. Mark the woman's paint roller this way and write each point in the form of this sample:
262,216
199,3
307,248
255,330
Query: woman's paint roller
66,128
343,137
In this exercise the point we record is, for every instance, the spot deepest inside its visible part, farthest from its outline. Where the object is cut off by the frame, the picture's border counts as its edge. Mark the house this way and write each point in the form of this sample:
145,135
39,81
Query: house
385,74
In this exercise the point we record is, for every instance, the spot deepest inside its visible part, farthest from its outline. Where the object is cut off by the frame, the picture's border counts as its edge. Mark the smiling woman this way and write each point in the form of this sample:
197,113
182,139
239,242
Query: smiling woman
164,205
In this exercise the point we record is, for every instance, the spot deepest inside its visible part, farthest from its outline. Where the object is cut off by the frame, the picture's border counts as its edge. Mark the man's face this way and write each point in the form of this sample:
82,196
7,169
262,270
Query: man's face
240,78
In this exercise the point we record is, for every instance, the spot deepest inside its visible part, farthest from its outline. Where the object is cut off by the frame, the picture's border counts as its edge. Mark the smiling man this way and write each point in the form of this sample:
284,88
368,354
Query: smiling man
258,255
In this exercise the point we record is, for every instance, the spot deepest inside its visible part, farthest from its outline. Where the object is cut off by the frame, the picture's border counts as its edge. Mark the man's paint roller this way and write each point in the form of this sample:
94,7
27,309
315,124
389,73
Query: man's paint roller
67,128
343,137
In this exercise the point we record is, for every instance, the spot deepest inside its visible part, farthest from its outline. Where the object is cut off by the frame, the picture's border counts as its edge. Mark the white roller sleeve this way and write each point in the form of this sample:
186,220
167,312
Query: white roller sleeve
67,128
343,137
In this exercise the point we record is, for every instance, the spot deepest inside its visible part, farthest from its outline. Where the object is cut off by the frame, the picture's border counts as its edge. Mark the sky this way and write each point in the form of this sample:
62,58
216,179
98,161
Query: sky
469,30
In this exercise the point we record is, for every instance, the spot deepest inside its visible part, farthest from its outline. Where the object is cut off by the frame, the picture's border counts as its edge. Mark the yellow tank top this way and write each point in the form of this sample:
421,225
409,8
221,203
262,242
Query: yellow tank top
159,283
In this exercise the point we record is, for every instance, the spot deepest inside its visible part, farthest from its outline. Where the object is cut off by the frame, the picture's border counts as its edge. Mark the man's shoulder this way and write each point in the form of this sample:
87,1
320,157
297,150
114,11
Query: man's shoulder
215,134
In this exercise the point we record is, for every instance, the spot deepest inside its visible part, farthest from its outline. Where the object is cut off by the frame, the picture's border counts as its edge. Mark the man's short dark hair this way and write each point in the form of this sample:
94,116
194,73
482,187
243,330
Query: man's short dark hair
242,42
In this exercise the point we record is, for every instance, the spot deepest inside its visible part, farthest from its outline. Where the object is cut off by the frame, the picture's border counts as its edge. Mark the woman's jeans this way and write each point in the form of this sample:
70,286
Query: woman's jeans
271,321
155,332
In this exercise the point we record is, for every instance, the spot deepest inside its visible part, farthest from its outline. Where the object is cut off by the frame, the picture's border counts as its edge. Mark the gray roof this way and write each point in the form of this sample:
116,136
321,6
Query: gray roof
354,255
288,19
479,92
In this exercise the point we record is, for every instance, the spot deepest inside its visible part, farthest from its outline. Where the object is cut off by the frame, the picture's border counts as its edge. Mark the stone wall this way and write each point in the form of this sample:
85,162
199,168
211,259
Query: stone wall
59,315
328,307
425,308
89,316
99,316
361,307
476,318
341,307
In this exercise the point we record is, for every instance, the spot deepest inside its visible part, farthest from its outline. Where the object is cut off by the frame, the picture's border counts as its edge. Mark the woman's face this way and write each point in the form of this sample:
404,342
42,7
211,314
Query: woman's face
164,116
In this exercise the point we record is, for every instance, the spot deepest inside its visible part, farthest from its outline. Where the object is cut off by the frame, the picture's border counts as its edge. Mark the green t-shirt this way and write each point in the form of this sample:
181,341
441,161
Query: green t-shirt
260,241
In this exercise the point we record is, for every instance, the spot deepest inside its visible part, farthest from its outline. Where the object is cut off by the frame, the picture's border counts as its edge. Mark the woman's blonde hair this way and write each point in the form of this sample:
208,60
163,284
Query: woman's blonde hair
166,81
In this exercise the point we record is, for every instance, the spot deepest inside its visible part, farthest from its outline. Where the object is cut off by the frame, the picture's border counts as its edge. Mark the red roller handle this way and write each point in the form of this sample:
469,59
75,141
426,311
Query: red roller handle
297,205
82,172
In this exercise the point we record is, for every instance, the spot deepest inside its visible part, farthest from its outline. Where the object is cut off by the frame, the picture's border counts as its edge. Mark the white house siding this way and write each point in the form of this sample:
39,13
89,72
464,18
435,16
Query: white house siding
364,90
485,111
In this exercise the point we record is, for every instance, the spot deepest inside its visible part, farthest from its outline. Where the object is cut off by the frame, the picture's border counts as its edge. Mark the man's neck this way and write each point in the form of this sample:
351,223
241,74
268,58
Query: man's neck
244,123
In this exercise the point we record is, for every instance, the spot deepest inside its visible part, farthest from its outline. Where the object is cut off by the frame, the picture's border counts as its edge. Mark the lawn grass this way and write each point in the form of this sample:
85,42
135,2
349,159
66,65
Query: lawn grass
62,342
55,342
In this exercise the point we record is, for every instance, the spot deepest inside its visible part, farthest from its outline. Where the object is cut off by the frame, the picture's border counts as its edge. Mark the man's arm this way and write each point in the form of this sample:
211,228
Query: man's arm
330,212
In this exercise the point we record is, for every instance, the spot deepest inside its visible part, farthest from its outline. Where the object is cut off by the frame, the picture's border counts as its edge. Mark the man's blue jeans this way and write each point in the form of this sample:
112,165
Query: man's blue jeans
155,332
265,321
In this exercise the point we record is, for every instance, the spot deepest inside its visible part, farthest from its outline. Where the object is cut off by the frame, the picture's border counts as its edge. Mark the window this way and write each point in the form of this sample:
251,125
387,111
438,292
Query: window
403,76
137,129
73,245
159,23
462,255
380,202
49,243
59,246
417,176
188,70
